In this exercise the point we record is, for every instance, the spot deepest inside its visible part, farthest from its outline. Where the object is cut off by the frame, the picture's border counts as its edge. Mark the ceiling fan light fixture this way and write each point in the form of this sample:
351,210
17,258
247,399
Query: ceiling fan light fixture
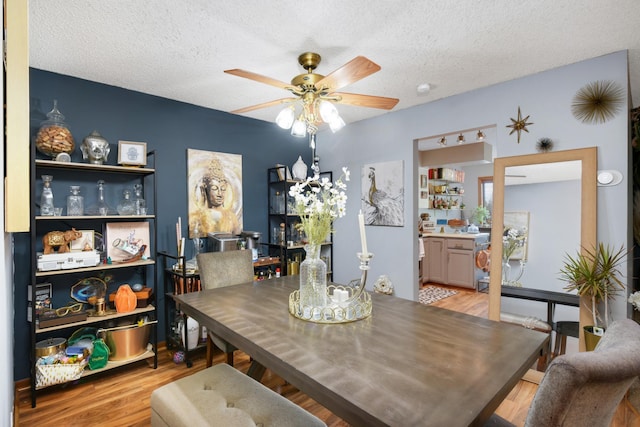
299,128
336,124
285,118
328,111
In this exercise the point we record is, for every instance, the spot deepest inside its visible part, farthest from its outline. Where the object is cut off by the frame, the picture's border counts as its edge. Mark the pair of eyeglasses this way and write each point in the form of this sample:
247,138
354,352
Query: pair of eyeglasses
72,307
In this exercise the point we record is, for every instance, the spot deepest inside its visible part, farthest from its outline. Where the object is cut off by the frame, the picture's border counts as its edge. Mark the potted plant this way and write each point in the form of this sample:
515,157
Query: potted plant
595,273
480,215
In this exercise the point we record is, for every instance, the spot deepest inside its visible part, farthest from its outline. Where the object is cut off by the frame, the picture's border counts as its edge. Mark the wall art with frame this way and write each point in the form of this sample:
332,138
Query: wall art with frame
124,240
382,197
132,153
214,192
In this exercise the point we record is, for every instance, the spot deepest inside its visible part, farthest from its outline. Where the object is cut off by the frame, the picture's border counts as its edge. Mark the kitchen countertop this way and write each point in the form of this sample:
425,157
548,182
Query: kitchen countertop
454,235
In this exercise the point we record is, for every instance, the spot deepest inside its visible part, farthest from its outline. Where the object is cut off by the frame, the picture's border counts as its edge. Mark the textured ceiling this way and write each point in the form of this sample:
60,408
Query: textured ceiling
179,49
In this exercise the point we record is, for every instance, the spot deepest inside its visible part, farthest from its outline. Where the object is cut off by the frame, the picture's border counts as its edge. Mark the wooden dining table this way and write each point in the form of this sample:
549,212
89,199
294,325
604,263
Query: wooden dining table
408,364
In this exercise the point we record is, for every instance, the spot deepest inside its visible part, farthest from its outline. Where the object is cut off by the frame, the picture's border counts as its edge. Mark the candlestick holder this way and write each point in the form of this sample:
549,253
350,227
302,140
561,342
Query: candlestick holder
345,303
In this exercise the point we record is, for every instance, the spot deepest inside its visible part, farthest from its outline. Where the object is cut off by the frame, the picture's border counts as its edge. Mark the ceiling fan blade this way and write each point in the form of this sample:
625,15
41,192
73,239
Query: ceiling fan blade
366,100
258,77
264,105
356,69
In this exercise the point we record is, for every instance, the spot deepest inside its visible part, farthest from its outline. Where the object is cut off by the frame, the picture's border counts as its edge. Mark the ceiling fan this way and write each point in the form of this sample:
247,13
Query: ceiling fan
317,94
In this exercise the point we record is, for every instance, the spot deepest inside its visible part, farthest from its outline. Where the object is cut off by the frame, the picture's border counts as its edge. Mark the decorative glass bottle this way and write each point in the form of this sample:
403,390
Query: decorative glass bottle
126,205
141,204
101,207
75,202
46,199
313,283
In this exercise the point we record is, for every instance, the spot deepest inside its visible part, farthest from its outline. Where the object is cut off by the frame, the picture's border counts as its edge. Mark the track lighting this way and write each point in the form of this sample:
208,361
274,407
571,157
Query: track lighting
460,139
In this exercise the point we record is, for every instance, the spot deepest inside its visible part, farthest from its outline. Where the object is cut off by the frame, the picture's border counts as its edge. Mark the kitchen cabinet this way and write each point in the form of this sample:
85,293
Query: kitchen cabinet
82,268
450,258
460,263
436,260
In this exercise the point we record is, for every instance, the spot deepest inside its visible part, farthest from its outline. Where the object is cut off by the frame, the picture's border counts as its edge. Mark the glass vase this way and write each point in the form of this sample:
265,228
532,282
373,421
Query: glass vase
506,272
313,283
511,276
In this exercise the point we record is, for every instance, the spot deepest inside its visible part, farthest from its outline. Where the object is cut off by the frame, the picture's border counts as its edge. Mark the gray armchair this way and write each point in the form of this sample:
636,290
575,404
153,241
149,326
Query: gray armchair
584,389
219,269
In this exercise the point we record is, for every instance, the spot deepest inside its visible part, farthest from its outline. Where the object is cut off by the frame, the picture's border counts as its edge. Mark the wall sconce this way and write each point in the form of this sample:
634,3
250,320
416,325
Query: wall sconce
443,141
460,139
480,137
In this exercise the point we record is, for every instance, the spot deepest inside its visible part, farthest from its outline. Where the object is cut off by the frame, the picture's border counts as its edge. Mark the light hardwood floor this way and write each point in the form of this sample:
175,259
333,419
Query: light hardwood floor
121,397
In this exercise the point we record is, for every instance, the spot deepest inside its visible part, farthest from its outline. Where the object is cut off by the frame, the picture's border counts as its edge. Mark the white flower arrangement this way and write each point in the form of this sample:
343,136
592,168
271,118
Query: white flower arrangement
634,299
513,239
319,202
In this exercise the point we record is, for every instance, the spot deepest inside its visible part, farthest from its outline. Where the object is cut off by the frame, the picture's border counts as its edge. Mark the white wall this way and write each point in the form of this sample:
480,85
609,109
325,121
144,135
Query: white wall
544,97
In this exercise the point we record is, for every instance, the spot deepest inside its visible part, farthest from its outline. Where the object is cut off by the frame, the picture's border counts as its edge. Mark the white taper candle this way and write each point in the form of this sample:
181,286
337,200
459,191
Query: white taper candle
363,237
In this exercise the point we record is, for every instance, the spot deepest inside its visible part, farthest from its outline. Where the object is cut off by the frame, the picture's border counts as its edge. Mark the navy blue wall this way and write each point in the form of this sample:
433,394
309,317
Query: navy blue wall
168,127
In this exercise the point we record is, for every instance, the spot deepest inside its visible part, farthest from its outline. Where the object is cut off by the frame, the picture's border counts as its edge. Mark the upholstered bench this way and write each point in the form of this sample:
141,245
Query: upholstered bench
224,396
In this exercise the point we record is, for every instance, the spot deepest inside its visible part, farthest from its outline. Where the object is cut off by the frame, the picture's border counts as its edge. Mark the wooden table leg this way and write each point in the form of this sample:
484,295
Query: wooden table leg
256,370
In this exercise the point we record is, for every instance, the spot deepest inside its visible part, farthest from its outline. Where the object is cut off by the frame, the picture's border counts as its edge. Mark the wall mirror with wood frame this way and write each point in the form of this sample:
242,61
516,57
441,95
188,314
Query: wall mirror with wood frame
554,196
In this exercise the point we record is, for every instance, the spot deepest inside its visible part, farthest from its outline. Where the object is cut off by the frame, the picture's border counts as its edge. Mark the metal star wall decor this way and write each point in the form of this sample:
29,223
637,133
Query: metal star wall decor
519,125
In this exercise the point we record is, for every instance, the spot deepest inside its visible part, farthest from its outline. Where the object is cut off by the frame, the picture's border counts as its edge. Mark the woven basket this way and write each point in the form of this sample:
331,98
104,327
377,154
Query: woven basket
48,375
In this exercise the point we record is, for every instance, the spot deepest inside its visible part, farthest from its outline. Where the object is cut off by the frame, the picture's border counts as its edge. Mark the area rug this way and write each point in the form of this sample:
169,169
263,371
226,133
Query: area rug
430,294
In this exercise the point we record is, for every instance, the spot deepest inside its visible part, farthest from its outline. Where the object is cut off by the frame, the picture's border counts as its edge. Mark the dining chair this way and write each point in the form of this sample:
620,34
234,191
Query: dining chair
584,389
217,270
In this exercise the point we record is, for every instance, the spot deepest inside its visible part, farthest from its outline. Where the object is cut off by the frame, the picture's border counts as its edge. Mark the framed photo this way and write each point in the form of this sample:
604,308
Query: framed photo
424,195
132,153
84,243
424,181
124,240
287,171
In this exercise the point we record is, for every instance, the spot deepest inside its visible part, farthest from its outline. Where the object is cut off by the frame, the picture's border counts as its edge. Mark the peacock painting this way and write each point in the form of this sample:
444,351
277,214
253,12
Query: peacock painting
383,193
